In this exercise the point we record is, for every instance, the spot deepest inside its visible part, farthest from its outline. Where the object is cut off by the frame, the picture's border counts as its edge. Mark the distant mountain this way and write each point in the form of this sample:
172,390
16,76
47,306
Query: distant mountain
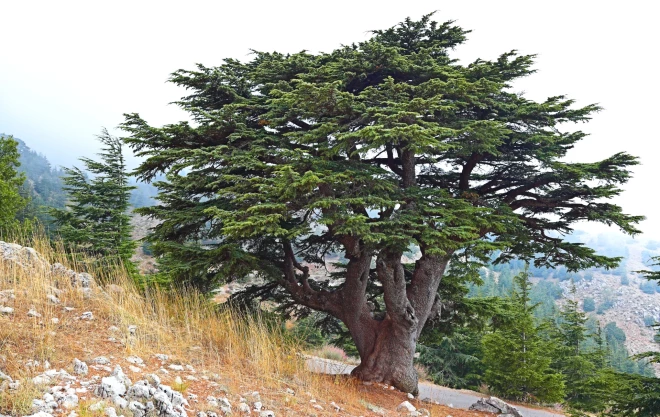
44,184
145,193
619,301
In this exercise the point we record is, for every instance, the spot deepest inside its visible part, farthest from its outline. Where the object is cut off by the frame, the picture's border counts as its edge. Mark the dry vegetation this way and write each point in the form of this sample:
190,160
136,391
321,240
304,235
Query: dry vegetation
231,355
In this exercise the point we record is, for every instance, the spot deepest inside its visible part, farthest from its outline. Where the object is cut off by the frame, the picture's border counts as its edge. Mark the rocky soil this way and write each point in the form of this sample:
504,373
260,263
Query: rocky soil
62,353
631,305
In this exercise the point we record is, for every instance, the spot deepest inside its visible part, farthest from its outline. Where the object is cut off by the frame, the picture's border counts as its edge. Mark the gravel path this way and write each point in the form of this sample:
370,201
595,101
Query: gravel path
457,398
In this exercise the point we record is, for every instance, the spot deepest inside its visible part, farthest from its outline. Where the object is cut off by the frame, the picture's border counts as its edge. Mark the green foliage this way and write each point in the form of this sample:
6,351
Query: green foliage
454,360
515,356
11,201
582,359
43,186
637,396
95,220
363,153
589,305
606,304
648,287
286,142
307,331
618,356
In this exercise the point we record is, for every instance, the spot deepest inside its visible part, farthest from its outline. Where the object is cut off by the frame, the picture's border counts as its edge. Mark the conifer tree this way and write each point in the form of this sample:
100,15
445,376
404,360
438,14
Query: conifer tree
589,384
10,183
96,219
639,396
516,357
367,151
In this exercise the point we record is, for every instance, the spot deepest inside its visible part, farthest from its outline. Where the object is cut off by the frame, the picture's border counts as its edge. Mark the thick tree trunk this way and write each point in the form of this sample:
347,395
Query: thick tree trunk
388,357
387,347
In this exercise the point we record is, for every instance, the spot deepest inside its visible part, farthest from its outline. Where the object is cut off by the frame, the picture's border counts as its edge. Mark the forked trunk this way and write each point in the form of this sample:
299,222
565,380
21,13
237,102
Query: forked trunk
387,356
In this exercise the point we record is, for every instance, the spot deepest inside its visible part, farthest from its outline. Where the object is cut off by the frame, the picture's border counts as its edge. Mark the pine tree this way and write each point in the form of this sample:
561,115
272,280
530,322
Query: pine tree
639,396
365,152
11,201
96,220
515,356
589,383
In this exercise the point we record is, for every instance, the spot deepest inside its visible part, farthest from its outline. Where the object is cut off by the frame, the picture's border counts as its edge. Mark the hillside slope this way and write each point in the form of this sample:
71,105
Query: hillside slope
78,346
628,305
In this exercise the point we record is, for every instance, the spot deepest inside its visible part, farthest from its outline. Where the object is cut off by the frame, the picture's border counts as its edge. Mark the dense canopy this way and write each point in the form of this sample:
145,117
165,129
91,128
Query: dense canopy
368,152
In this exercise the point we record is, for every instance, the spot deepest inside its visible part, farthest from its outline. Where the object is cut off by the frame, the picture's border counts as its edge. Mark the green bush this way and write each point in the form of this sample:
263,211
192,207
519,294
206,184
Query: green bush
589,305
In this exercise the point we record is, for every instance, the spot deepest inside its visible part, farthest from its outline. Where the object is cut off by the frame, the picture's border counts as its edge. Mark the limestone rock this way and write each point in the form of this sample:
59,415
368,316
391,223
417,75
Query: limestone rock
114,385
80,367
482,405
135,360
495,405
405,406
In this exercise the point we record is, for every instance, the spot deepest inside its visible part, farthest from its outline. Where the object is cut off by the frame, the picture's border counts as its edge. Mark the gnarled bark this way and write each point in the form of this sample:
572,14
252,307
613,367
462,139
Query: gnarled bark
387,346
389,356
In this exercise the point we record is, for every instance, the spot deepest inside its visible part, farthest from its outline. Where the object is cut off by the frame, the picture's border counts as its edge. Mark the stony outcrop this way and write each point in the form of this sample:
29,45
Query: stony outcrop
496,406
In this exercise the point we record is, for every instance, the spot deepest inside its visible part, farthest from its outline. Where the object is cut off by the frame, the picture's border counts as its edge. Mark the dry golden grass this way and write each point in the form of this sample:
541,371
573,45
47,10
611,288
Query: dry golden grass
240,354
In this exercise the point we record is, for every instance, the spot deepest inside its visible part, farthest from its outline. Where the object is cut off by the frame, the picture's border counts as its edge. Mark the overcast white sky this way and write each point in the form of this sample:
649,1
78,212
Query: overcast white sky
69,68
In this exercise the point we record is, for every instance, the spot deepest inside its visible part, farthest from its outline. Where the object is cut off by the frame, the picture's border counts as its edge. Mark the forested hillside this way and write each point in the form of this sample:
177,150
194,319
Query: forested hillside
385,204
44,184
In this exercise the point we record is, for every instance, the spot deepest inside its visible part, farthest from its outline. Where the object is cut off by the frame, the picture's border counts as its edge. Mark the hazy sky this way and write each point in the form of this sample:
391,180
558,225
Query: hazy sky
69,68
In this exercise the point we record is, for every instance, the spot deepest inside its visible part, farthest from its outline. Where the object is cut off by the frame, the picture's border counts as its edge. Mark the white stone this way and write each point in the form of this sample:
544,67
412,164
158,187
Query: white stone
41,414
6,310
53,299
114,385
120,402
87,315
80,367
70,401
175,367
405,406
135,360
137,408
33,313
141,390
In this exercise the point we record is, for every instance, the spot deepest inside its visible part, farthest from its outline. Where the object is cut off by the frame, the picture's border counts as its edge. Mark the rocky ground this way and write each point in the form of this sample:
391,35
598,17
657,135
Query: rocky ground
70,346
631,306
